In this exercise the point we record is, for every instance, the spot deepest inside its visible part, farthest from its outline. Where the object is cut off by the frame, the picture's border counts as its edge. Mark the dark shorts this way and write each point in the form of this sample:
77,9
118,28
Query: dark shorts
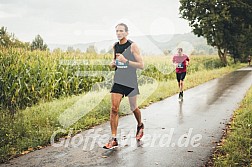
124,90
180,76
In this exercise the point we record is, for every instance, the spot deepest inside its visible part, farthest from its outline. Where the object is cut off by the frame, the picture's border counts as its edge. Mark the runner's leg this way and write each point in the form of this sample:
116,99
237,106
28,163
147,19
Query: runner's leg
134,108
181,85
115,99
137,113
182,77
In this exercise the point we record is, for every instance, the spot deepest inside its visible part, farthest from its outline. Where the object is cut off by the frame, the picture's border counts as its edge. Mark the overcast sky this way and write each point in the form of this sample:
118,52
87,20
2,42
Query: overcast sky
82,21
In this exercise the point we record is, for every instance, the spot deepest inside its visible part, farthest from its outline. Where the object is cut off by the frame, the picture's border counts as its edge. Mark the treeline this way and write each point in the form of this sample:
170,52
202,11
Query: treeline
226,25
9,40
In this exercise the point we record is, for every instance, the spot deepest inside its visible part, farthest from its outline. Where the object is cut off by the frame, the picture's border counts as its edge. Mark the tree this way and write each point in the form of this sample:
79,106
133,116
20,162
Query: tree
5,40
38,43
70,49
221,22
8,40
91,49
240,28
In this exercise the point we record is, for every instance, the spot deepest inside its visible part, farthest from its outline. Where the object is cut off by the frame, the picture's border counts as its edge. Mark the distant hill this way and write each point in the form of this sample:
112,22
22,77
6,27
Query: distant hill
152,44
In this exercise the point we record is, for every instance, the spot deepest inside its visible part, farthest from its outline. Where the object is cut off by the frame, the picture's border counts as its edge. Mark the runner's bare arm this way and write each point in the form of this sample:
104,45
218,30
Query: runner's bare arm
135,51
139,59
112,64
187,61
174,62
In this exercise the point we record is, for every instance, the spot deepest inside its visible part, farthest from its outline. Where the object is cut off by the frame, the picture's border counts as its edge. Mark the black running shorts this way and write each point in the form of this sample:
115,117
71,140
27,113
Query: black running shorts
124,90
180,76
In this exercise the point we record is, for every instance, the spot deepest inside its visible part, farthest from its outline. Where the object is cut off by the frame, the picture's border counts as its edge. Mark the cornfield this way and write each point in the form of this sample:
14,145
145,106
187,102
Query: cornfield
28,77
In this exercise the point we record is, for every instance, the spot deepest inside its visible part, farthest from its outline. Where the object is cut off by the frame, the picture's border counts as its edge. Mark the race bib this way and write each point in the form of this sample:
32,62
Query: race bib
180,65
120,64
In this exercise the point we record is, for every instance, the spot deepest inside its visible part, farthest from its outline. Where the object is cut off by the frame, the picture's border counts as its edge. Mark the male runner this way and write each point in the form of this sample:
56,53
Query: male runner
249,60
181,61
127,60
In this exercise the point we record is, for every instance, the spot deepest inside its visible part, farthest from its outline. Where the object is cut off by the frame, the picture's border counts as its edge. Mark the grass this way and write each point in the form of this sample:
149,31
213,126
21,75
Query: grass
236,146
32,128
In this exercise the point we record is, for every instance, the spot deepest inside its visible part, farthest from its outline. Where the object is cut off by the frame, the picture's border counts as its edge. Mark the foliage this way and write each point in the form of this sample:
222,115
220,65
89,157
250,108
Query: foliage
38,44
226,24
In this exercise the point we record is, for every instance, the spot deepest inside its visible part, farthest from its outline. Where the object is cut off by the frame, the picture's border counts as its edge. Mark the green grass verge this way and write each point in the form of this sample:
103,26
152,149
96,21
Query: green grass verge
236,146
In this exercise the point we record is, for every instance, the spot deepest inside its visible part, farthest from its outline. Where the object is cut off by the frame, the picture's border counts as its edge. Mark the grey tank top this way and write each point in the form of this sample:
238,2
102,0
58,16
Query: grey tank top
125,75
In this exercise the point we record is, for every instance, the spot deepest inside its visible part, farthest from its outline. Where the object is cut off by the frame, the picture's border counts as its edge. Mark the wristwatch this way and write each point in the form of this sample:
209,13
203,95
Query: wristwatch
127,62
